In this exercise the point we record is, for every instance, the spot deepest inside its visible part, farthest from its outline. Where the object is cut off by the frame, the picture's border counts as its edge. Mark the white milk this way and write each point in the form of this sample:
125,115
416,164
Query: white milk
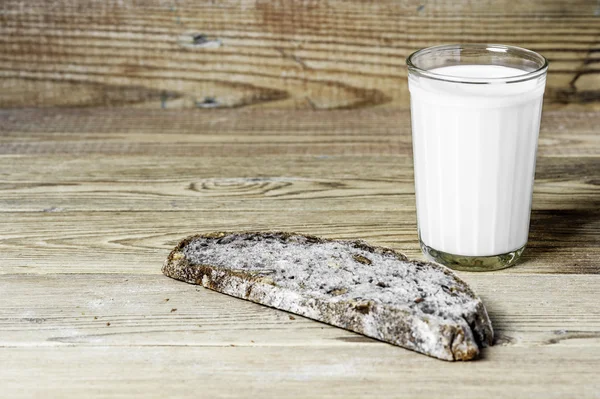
474,152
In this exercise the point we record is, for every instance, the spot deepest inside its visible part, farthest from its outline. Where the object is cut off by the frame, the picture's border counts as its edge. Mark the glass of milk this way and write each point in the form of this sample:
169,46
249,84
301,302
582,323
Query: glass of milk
475,121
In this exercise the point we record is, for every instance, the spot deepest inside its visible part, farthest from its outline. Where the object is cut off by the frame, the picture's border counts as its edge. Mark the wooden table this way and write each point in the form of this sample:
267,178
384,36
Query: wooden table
92,201
114,146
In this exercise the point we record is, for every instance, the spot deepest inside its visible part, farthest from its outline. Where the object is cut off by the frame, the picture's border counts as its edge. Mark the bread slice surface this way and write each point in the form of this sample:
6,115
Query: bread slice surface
370,290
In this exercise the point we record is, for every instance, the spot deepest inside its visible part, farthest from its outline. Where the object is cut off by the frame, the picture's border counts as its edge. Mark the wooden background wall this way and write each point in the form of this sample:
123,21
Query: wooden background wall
327,54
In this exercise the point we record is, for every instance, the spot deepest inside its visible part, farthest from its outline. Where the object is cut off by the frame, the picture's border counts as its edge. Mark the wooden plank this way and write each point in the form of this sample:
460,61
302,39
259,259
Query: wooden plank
136,169
138,242
492,8
547,346
357,183
331,372
257,133
39,310
283,54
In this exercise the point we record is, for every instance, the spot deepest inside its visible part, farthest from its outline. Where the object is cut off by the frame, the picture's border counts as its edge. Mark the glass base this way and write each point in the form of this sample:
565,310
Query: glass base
472,263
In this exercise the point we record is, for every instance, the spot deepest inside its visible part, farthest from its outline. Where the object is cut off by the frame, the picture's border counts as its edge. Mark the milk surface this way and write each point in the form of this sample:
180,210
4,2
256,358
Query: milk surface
474,155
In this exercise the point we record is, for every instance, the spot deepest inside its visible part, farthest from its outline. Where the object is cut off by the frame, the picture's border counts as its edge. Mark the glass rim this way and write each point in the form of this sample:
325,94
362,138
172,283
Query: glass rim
481,46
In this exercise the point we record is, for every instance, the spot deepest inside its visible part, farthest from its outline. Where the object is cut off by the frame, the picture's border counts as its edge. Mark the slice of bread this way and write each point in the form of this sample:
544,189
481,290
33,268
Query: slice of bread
373,291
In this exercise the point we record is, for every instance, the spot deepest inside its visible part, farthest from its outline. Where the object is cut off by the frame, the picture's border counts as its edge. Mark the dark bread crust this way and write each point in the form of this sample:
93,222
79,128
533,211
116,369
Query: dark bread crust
455,339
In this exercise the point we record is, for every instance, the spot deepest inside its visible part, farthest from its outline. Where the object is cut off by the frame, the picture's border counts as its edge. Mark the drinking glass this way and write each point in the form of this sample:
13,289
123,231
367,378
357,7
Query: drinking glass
475,112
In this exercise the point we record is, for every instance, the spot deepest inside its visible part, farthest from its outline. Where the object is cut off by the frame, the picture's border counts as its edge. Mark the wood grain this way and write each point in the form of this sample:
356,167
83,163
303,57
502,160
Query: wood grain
63,183
84,191
255,133
138,242
154,310
171,336
334,372
92,201
272,54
